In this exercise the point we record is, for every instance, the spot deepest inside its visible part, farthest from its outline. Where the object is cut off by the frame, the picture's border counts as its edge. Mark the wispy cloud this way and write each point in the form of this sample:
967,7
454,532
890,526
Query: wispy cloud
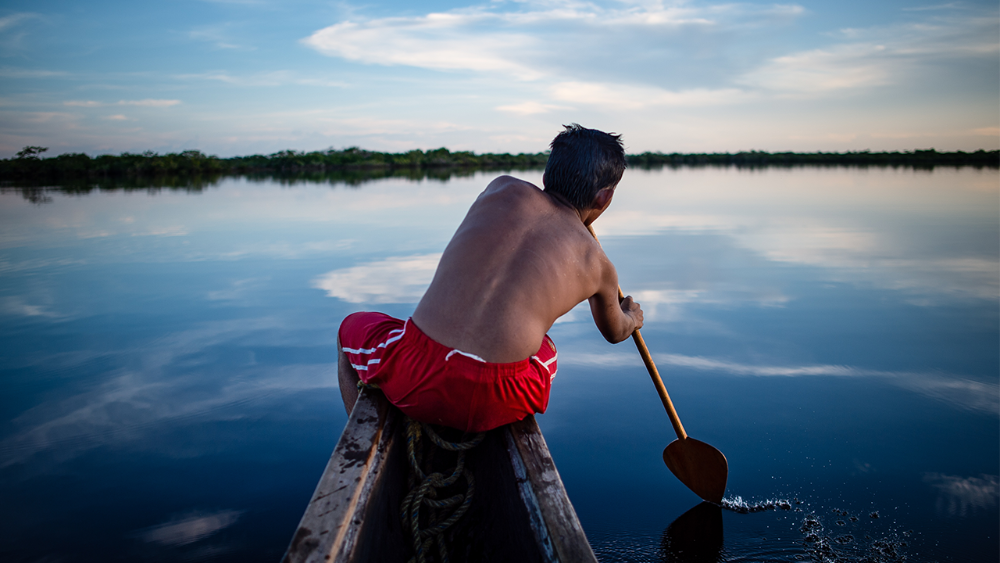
8,22
639,97
878,56
537,40
441,41
10,72
84,104
219,37
559,41
151,103
269,78
529,108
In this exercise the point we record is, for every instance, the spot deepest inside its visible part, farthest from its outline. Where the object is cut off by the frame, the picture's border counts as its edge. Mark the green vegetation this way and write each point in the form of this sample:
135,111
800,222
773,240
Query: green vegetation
352,165
917,159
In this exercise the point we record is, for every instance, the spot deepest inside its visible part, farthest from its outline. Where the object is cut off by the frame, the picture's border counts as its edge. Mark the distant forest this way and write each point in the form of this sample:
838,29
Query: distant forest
355,164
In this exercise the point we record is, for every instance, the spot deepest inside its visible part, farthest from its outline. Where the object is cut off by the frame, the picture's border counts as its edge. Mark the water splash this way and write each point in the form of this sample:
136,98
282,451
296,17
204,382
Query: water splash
737,504
839,536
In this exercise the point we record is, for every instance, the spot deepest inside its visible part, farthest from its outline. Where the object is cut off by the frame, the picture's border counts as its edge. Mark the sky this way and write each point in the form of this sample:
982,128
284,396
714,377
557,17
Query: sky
240,77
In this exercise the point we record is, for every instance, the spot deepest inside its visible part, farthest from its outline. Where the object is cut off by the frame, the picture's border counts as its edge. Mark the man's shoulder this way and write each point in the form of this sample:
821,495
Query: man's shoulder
511,184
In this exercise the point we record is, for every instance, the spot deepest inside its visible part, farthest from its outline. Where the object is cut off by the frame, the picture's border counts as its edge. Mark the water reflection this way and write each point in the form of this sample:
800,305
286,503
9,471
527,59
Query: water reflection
397,279
963,496
695,537
169,357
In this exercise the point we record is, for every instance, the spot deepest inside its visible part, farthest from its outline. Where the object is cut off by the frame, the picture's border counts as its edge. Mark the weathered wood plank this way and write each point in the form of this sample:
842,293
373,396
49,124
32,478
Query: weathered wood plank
535,519
353,515
327,530
564,529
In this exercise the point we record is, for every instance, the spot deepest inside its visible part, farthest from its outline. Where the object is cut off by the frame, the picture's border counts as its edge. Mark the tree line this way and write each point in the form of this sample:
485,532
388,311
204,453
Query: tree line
29,166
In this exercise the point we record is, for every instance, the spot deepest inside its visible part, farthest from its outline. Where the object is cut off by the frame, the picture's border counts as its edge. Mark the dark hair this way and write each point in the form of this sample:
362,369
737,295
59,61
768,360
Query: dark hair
583,162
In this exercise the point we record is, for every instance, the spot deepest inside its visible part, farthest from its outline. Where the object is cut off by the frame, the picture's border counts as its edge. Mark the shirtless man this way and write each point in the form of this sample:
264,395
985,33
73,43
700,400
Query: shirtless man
469,357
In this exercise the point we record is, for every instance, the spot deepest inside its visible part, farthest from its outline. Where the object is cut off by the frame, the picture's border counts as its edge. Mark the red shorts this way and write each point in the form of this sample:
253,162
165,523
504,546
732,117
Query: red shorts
432,383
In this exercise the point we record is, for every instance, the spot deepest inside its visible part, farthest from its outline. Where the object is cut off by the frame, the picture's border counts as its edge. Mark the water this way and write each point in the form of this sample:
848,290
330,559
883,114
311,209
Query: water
168,367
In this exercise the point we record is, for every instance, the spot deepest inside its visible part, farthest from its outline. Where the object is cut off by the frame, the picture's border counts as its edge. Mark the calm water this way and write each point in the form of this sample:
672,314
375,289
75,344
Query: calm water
168,366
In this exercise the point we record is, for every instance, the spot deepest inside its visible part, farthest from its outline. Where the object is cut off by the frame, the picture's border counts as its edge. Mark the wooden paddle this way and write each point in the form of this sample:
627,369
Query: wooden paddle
702,468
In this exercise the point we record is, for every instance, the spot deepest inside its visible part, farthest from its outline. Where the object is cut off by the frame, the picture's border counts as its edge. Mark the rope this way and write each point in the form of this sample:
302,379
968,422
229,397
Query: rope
440,514
427,527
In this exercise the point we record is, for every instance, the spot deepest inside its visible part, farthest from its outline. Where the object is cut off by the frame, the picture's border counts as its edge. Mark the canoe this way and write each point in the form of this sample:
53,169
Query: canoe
520,510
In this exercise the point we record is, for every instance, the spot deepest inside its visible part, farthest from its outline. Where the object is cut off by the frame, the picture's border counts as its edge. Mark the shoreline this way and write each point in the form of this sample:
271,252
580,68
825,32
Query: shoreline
354,162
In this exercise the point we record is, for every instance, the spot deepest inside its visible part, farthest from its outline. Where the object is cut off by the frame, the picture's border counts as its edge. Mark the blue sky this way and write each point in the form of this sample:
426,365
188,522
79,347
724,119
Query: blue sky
232,77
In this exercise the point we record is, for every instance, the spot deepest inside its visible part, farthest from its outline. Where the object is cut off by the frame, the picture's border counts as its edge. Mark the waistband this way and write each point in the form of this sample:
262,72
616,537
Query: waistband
416,337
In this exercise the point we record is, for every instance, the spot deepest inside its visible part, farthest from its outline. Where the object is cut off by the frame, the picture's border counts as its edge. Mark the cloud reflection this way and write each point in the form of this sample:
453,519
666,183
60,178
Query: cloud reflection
928,236
957,391
398,279
964,496
190,528
179,383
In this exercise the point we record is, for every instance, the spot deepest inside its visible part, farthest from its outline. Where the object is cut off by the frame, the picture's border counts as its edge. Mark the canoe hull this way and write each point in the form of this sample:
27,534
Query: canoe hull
520,510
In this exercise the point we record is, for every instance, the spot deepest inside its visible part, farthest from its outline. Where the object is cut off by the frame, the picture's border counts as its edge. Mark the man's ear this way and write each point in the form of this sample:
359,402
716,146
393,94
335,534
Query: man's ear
603,198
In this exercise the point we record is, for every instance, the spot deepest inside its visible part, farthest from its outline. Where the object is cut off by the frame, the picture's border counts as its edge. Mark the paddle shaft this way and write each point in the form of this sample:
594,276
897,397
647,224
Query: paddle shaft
654,373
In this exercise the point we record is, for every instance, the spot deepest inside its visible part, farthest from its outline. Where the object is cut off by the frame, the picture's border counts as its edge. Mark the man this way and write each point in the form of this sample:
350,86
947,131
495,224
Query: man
475,354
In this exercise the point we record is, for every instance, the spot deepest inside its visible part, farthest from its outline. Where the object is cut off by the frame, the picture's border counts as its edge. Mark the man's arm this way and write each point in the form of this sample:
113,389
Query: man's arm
616,321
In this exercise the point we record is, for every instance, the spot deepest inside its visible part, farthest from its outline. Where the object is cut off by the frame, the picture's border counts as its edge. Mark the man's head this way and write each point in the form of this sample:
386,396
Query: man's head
583,162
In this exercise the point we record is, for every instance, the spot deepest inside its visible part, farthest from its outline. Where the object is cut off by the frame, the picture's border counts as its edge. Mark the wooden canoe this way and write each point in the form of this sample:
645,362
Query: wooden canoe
520,511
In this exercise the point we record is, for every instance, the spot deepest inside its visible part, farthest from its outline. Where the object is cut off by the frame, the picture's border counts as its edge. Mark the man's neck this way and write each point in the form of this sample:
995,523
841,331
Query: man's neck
563,202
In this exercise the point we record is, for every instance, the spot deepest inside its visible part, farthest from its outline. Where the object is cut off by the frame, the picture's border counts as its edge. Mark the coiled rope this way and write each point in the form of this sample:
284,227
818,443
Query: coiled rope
427,526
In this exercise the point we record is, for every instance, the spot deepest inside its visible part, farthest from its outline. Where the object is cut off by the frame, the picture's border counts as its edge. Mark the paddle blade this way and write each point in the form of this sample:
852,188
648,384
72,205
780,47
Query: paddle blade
702,468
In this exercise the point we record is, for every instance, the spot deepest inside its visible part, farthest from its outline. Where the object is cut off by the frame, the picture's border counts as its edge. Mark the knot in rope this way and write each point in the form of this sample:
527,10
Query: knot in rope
427,527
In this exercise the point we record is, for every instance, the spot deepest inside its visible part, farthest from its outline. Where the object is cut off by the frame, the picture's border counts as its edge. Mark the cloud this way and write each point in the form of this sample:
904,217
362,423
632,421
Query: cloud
8,22
537,40
529,108
270,78
987,131
141,103
150,103
877,56
190,528
9,72
400,279
579,47
168,231
639,97
439,41
824,70
218,36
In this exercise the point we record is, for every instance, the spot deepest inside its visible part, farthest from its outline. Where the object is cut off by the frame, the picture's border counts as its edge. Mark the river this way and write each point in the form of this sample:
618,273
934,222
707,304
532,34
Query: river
168,368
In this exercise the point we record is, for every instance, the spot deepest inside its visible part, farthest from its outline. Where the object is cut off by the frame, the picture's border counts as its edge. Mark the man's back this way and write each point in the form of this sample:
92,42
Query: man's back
519,260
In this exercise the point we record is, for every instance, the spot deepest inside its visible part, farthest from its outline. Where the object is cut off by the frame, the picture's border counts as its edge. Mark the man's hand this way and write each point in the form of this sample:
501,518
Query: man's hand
633,311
